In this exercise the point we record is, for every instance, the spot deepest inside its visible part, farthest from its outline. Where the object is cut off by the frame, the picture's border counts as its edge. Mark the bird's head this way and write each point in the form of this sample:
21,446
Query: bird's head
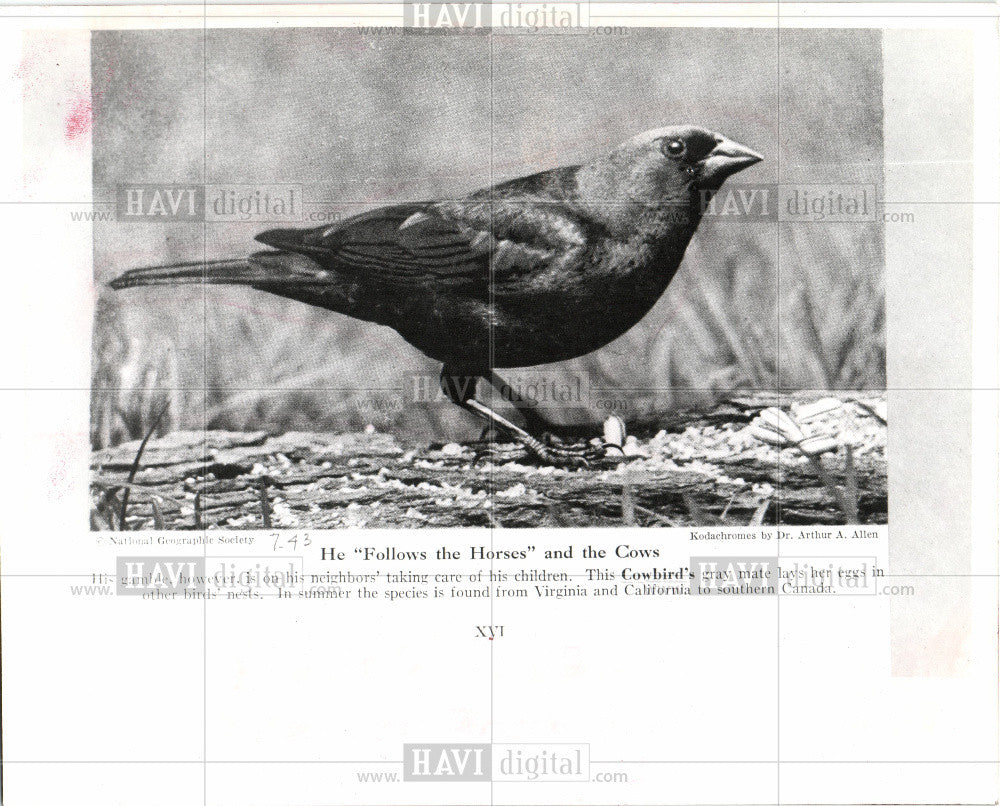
673,169
687,156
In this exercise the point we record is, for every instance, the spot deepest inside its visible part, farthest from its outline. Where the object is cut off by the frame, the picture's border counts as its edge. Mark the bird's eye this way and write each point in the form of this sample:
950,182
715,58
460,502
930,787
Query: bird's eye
673,148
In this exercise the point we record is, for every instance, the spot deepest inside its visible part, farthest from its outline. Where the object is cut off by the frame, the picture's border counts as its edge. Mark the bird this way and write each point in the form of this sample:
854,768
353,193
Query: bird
535,270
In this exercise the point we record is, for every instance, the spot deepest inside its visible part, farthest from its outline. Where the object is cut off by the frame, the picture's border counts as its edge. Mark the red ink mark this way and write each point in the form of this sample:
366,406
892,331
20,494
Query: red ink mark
29,71
79,118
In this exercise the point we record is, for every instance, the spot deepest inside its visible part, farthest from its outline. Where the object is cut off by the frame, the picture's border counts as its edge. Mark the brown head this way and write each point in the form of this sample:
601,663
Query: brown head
660,177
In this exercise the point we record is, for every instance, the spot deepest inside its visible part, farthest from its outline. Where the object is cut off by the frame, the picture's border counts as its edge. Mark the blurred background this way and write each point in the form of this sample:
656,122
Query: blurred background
361,120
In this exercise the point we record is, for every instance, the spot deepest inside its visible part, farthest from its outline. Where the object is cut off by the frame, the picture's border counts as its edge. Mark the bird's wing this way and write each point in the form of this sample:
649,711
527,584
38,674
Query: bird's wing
448,242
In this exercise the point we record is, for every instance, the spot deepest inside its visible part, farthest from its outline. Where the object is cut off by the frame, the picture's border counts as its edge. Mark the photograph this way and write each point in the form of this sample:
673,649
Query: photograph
403,278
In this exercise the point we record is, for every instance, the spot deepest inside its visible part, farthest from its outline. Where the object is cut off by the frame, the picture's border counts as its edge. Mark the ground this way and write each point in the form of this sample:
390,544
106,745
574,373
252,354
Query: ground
700,468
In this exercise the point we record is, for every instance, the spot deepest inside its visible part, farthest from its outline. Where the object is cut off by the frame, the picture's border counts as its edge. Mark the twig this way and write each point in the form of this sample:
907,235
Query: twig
135,464
843,504
871,411
628,505
157,514
725,510
851,482
656,516
701,515
265,504
760,512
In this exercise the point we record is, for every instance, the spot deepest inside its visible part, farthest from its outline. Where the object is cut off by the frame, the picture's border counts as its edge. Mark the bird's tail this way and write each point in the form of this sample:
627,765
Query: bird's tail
262,268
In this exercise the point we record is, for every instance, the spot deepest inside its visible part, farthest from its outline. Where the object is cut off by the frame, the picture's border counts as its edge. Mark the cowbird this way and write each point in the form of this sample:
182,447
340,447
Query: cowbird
534,270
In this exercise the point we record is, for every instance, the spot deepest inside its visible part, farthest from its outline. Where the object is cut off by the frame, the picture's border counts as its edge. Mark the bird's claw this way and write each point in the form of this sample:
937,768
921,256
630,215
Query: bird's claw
499,452
594,454
583,456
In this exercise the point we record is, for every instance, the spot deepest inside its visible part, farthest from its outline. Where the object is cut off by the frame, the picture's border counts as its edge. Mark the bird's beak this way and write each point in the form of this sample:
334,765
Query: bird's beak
727,158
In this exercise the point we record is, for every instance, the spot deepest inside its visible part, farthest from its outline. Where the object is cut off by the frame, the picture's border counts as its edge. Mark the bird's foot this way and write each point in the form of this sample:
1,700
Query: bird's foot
549,450
596,455
583,455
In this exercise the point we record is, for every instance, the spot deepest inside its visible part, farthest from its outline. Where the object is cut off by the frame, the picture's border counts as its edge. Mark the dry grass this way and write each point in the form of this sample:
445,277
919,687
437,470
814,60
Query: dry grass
811,318
755,307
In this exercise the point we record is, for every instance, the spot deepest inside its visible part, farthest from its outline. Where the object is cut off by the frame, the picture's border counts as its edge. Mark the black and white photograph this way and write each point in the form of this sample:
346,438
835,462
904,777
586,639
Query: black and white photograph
398,278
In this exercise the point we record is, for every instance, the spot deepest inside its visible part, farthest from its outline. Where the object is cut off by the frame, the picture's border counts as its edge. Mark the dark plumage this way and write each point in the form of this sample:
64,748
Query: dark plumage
539,269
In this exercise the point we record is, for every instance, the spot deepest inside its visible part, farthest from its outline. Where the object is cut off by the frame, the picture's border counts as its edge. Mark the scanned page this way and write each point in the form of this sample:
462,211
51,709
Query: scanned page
514,403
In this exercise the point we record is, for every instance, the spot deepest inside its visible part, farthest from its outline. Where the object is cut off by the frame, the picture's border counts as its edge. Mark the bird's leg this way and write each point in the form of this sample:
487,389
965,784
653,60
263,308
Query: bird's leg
539,428
461,388
536,424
